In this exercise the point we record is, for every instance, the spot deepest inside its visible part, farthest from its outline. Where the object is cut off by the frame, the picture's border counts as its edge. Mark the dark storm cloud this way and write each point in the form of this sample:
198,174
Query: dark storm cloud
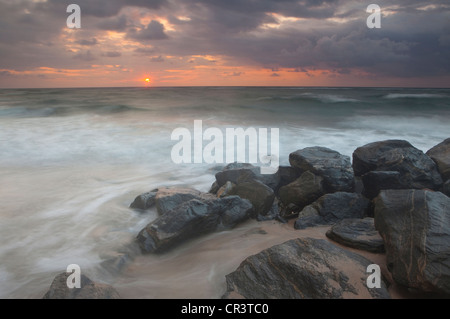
413,41
145,51
86,56
119,23
153,31
104,8
89,42
157,59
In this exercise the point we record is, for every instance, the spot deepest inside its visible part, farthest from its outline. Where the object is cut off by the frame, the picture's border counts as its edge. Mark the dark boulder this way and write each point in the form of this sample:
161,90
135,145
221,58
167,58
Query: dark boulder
440,154
287,175
415,226
303,268
357,233
167,199
191,219
303,191
273,213
88,290
331,208
416,169
238,172
375,181
336,169
144,201
260,195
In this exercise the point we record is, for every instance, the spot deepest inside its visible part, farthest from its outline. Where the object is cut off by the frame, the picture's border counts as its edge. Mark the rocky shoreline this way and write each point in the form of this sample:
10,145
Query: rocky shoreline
391,199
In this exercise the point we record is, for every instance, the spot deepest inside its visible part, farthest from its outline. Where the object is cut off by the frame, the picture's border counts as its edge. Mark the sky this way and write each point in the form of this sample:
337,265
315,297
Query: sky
224,43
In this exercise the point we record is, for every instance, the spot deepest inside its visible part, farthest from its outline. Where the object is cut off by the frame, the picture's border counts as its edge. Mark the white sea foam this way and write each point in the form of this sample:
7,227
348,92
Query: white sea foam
413,96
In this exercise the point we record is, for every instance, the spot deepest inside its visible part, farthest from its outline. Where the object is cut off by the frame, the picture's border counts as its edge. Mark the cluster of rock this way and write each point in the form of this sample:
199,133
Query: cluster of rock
405,190
393,198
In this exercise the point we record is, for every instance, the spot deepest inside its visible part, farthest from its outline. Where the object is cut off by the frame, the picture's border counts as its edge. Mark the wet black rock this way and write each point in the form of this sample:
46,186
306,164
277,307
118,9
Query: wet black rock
415,169
331,208
144,201
303,191
336,169
260,195
238,172
192,219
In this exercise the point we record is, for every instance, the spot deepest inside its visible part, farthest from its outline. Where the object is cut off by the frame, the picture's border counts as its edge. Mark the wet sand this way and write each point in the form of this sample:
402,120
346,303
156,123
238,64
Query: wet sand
198,268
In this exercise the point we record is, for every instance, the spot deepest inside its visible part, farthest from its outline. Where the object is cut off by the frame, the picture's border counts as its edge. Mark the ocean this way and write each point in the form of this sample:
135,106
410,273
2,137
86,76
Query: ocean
72,160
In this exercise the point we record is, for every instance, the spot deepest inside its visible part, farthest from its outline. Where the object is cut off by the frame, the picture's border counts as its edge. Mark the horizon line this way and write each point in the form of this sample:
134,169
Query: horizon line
222,86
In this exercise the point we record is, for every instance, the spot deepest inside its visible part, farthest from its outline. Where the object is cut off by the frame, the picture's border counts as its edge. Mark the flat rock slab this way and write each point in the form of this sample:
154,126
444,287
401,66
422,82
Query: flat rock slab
303,268
88,290
357,233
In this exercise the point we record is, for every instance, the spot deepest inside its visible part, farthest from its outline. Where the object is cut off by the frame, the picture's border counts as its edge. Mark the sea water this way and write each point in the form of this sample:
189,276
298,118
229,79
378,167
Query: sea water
72,160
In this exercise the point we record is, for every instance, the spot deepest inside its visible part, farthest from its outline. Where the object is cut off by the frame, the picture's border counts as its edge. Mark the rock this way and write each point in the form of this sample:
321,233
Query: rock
288,212
331,208
440,154
359,186
287,175
303,268
191,219
214,188
236,172
375,181
446,188
336,169
144,201
416,169
168,198
88,290
226,189
303,191
273,213
260,195
357,233
415,226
